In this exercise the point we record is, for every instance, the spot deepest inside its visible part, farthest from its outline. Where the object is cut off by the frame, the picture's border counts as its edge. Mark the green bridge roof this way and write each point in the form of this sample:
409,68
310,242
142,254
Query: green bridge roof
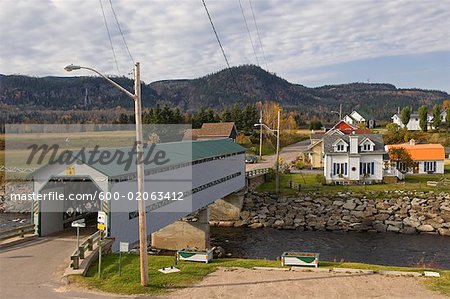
176,152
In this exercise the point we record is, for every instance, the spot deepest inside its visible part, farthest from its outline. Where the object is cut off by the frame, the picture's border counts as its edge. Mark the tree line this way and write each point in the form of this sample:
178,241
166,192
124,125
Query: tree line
436,122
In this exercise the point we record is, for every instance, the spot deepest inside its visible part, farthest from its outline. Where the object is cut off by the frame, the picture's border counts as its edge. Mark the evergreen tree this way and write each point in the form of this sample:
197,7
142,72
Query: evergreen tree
447,117
423,118
123,119
437,116
226,115
406,115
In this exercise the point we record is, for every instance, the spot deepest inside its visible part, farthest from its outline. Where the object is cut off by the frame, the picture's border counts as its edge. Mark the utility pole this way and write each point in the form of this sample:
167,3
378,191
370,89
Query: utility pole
140,176
340,112
260,133
277,178
139,159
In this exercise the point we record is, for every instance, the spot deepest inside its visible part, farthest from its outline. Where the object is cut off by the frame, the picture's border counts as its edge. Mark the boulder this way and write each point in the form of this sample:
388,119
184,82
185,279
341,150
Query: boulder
349,205
425,228
444,231
256,225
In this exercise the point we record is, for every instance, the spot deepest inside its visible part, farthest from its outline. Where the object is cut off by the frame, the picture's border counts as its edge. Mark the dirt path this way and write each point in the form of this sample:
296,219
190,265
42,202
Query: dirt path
245,283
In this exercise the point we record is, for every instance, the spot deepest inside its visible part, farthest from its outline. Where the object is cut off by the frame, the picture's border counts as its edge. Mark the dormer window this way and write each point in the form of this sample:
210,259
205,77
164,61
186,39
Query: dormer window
340,146
367,146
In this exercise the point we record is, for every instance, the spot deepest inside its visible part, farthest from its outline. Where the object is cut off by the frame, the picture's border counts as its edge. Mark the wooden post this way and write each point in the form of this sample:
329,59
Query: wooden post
100,255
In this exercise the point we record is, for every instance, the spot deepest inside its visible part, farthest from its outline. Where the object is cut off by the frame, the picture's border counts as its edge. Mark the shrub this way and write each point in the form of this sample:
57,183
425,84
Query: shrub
320,178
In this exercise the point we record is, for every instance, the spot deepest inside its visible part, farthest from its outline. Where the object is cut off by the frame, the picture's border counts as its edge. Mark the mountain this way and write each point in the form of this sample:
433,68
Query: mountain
241,85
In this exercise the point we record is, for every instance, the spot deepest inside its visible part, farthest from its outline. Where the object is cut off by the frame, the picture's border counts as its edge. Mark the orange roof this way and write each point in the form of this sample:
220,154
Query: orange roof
422,152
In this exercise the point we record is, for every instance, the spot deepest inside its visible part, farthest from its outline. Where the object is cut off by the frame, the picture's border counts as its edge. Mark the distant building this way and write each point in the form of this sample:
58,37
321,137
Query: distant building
360,117
428,158
414,122
353,158
212,131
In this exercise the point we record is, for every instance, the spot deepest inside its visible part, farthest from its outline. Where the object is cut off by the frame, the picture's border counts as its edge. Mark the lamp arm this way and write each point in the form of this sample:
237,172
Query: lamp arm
111,81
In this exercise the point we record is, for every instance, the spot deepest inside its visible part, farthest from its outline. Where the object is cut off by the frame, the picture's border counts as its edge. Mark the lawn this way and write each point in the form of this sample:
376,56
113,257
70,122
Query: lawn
308,182
191,273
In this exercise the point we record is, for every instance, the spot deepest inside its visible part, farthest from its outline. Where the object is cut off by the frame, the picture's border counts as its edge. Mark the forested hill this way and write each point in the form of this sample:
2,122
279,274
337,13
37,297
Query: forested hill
242,85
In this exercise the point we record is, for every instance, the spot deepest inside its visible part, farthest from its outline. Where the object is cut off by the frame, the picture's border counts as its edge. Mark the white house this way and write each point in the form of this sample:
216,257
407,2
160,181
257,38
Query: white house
353,158
414,123
428,158
359,117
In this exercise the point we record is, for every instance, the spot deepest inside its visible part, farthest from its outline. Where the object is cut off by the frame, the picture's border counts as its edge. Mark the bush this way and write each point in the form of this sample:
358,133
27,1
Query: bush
320,178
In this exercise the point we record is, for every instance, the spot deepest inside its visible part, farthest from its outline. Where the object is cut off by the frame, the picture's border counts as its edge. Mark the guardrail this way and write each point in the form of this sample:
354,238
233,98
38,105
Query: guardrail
87,245
256,172
20,231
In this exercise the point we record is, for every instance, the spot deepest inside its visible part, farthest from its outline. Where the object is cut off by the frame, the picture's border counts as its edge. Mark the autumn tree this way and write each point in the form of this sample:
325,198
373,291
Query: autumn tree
401,158
423,118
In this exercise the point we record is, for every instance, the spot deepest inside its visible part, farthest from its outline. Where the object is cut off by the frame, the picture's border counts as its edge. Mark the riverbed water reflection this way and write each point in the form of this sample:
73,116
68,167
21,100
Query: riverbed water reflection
373,248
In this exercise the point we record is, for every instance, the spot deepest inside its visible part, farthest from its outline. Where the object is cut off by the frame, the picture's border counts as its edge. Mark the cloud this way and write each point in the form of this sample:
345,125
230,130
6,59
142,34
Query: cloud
173,39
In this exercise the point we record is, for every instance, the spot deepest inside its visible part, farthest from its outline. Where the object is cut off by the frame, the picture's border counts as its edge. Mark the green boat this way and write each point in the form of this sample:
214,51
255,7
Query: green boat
293,258
195,255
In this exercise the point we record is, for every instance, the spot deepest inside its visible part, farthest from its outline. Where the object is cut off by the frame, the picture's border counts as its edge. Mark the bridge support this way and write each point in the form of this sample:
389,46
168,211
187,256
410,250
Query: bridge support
227,208
184,234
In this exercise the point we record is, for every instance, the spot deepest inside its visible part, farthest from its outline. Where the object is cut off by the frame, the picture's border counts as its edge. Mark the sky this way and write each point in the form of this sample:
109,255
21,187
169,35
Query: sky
406,43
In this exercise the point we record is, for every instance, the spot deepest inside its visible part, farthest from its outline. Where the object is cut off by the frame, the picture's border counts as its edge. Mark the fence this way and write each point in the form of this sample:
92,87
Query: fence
256,172
17,232
87,245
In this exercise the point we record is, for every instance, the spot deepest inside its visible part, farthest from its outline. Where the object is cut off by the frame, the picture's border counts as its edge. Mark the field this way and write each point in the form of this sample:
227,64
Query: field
191,273
251,143
308,182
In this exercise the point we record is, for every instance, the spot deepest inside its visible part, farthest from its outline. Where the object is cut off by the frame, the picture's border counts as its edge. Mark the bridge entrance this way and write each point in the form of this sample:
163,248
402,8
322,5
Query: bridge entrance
66,199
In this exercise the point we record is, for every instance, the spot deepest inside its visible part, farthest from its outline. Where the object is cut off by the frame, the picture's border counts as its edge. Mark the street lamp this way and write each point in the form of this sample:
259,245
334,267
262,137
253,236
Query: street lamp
139,154
260,124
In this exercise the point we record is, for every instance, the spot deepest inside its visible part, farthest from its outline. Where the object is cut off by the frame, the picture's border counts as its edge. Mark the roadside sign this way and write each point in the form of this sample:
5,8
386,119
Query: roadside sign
124,246
101,220
79,223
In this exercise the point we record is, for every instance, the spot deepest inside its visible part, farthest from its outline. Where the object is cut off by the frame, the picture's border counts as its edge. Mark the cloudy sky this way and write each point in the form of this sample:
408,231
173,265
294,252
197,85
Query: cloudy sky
406,43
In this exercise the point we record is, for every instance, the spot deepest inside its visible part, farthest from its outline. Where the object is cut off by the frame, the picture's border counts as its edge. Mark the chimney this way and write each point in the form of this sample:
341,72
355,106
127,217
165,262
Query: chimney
412,142
398,110
353,143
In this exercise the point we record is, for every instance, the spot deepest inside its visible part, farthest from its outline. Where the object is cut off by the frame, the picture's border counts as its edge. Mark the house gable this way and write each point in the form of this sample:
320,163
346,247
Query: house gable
366,145
340,146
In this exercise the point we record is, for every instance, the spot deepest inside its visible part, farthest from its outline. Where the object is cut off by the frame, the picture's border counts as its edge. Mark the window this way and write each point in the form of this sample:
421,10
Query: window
339,168
366,147
367,168
340,147
429,166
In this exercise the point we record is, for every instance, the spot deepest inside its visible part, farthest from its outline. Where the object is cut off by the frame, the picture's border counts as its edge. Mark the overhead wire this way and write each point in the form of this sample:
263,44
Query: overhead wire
109,37
121,33
248,31
259,36
221,47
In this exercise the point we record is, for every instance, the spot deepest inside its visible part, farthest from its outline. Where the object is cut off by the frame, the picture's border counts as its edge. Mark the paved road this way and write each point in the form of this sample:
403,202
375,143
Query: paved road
288,154
34,270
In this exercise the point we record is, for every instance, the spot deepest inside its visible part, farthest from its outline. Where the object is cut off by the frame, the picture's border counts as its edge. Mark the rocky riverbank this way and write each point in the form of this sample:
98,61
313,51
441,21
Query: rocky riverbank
403,212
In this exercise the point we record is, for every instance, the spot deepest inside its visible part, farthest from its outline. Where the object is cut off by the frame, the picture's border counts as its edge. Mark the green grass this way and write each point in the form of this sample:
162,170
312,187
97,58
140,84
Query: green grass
191,273
308,182
129,282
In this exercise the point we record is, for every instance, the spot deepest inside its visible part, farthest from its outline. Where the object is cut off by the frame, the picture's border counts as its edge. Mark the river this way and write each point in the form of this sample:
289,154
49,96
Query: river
374,248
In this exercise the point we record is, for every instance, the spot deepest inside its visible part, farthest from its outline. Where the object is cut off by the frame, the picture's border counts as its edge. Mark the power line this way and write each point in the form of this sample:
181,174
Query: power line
109,36
248,31
220,44
259,36
120,30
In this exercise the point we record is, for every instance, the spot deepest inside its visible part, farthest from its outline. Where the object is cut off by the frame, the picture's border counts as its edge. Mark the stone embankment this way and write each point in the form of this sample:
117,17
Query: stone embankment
16,206
394,211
